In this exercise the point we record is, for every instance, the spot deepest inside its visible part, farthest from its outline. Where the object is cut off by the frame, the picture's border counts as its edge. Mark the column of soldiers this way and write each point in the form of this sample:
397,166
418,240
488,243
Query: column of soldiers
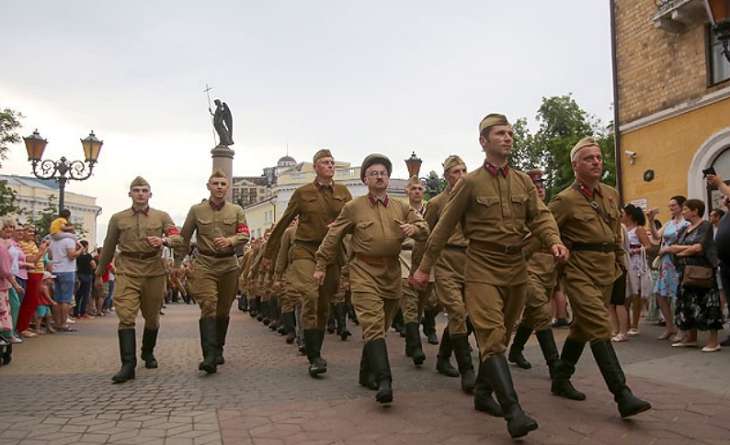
487,248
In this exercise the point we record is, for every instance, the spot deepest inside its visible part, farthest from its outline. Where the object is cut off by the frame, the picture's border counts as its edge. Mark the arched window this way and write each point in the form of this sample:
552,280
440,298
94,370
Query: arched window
721,164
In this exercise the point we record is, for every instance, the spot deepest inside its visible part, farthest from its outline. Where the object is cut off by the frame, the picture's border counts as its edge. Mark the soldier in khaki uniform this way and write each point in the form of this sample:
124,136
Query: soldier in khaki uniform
541,280
220,227
317,204
139,233
281,281
588,216
449,274
497,207
242,281
413,301
378,226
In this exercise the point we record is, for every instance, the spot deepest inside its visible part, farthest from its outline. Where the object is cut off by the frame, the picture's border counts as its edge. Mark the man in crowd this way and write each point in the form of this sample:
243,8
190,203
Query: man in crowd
588,215
64,250
220,227
498,207
139,233
317,204
378,226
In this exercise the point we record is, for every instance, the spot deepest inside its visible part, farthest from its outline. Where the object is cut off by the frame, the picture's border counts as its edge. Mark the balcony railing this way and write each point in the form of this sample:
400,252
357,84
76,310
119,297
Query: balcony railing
677,16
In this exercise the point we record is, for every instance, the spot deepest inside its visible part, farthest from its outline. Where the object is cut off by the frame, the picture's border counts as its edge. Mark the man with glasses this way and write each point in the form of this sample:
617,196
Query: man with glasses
317,204
139,233
378,226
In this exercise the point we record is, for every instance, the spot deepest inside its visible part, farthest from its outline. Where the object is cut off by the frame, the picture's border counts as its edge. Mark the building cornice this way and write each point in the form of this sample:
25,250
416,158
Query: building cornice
677,110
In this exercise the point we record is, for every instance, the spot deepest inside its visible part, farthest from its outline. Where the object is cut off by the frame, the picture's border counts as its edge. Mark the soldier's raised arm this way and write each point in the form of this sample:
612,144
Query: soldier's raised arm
110,245
291,212
328,250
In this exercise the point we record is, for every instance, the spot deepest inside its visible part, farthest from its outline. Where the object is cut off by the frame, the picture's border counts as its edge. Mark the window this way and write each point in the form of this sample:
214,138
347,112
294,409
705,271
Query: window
718,66
721,164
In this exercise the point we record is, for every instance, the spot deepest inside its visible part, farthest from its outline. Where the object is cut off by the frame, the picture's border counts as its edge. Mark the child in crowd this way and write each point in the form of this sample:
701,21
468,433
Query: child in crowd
60,227
43,312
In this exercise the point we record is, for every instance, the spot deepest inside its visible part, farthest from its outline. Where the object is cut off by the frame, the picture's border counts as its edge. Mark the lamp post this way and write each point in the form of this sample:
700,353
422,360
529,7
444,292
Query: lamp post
718,12
62,170
413,164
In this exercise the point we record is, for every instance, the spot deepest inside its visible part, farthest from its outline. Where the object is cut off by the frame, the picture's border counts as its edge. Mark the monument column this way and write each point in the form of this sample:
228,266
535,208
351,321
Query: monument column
223,159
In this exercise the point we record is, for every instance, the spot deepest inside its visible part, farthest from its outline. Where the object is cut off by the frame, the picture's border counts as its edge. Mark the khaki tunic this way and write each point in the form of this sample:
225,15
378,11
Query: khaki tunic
375,273
588,276
317,206
215,271
140,269
413,301
449,268
493,210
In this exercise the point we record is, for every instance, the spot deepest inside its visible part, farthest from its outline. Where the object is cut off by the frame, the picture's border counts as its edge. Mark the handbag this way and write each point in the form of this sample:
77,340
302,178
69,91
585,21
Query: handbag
698,276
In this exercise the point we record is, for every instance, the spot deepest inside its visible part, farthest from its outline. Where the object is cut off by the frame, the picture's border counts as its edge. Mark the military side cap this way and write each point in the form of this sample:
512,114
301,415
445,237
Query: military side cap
139,182
581,144
491,120
536,175
452,161
375,158
413,181
323,153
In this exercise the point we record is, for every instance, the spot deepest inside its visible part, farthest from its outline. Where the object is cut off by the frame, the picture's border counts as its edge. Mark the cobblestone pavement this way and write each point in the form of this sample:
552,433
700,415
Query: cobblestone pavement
58,391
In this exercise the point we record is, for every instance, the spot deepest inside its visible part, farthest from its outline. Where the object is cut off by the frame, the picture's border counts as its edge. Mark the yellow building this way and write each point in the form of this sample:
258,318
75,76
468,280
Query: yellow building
672,100
32,196
266,212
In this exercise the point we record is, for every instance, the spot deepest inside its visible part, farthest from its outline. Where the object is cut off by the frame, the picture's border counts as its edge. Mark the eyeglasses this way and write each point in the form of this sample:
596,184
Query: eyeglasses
373,174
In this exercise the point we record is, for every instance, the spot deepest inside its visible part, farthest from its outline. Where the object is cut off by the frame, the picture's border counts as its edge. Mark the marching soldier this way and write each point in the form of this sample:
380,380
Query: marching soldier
449,274
588,216
220,227
317,204
378,226
414,300
497,207
139,233
281,281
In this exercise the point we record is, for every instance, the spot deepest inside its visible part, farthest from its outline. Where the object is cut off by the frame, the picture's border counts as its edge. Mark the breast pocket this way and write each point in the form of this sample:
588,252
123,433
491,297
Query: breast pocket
519,206
487,207
310,206
154,229
127,232
366,230
228,226
205,227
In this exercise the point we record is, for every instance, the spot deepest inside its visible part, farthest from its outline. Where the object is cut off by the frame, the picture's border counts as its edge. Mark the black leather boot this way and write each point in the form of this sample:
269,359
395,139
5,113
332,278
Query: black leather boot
497,374
127,354
341,319
443,359
366,378
221,329
398,323
483,398
312,345
266,312
331,322
549,349
460,343
414,349
149,340
564,369
380,367
208,344
429,326
518,344
628,403
242,303
288,321
351,314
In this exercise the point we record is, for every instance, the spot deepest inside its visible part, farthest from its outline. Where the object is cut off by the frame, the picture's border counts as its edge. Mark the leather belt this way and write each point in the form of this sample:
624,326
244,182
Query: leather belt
455,247
216,254
496,247
376,260
594,247
140,255
308,243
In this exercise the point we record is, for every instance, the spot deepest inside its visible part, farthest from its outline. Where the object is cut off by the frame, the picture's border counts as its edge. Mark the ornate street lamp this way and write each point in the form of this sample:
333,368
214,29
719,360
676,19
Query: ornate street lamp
719,14
63,169
413,164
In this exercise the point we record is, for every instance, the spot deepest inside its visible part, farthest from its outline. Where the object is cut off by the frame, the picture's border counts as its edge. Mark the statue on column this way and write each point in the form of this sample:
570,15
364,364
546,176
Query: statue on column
222,122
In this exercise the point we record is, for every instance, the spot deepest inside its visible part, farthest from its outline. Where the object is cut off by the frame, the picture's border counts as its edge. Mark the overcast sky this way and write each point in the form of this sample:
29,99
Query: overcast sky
355,77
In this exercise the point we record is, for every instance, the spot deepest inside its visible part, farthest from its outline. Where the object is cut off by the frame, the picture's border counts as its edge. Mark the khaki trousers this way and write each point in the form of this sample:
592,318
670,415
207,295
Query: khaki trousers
413,301
134,293
493,311
588,301
214,291
538,311
449,274
374,313
315,298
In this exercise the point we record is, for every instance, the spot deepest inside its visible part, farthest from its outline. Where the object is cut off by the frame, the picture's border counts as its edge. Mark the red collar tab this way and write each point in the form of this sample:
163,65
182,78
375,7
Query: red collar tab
374,201
494,170
215,206
143,211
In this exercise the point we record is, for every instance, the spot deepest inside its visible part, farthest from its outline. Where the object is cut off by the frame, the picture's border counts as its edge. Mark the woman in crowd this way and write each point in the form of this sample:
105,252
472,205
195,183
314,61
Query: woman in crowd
19,269
34,255
698,300
617,305
7,280
638,274
667,283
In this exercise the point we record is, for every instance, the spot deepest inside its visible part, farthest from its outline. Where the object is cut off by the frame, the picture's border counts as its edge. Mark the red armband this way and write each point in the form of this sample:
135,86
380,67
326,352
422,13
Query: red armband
242,228
172,231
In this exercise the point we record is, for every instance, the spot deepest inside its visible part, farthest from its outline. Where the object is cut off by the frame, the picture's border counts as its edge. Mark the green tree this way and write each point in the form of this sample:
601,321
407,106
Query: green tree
7,200
9,124
42,221
435,184
561,123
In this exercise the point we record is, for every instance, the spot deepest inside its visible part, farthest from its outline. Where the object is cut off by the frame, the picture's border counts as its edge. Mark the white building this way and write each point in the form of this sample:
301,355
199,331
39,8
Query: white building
32,196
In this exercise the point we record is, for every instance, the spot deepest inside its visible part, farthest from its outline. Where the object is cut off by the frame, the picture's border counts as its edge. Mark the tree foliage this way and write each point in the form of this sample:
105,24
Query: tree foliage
435,184
561,123
7,200
9,124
